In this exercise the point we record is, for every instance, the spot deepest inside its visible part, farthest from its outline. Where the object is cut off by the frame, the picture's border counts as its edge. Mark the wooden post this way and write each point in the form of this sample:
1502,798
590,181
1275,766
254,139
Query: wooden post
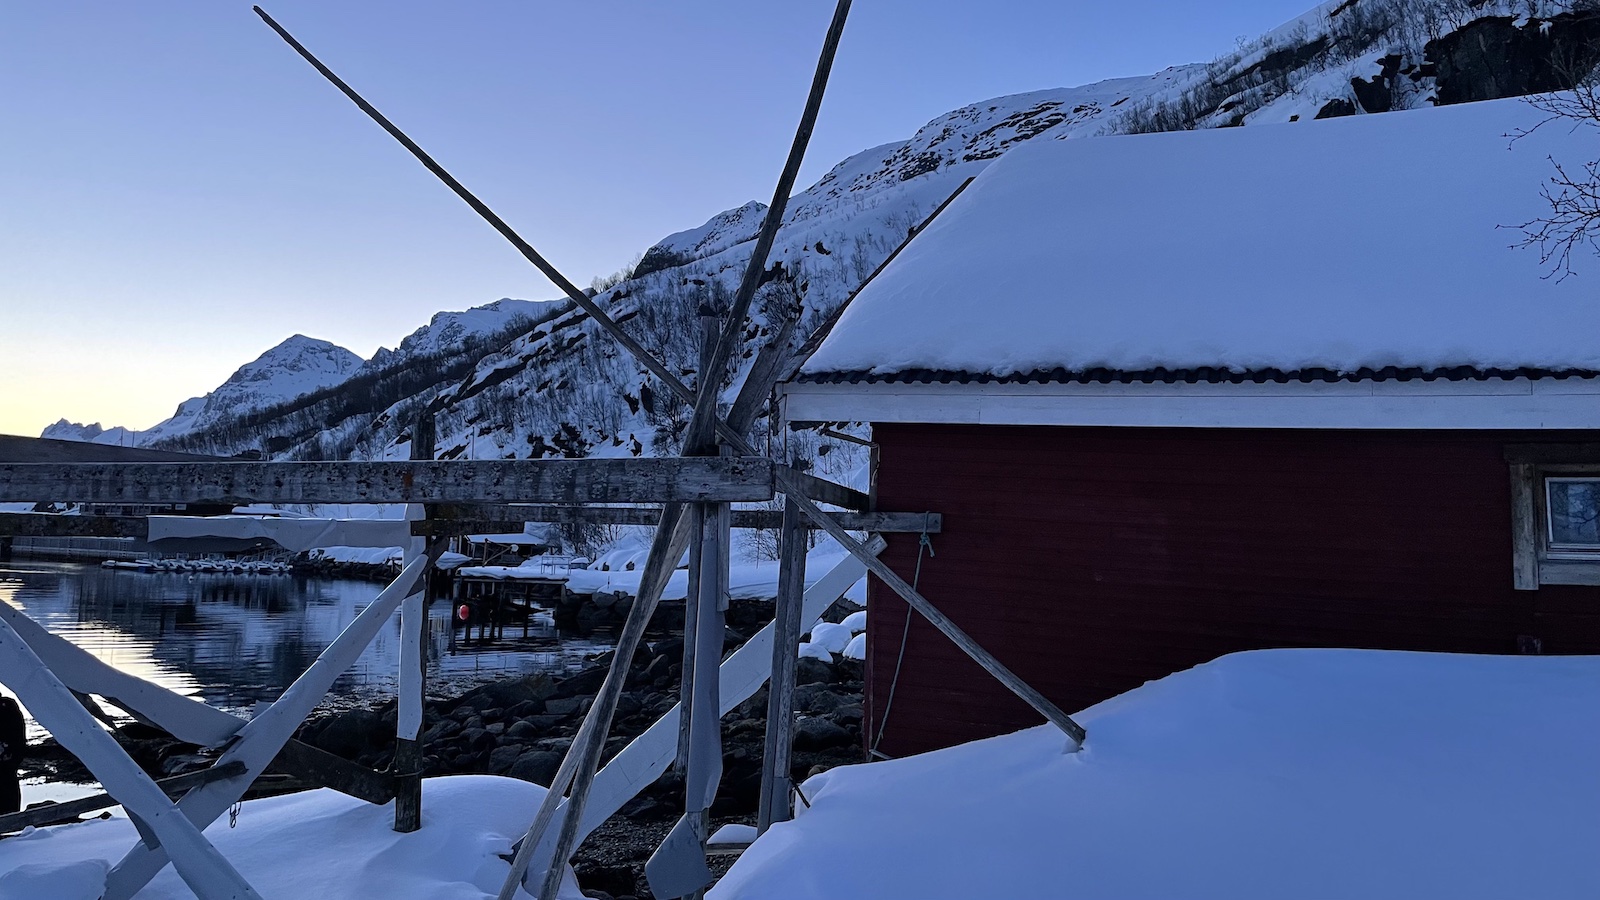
697,568
411,683
786,622
691,621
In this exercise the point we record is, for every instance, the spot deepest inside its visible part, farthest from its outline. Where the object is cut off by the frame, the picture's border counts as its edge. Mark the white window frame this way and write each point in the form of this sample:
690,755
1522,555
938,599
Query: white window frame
1536,561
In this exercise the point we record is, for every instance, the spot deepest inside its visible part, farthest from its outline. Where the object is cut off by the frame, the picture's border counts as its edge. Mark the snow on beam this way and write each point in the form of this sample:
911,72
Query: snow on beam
535,481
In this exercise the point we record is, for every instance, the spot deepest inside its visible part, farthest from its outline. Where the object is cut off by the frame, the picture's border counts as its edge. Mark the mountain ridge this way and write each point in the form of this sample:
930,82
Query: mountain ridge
561,388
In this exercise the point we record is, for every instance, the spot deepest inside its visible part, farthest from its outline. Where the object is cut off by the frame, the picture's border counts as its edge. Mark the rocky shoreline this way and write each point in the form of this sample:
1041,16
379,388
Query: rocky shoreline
521,727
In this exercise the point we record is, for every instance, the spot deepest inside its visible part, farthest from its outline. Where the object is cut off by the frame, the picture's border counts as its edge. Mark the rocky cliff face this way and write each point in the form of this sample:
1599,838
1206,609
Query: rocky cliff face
559,387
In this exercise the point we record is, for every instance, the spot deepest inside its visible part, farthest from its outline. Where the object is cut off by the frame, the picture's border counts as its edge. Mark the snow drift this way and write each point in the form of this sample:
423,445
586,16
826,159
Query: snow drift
1269,774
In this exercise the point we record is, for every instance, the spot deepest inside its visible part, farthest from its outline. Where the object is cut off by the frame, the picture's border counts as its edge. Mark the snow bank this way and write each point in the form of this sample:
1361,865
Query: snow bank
1272,774
746,581
312,844
1366,241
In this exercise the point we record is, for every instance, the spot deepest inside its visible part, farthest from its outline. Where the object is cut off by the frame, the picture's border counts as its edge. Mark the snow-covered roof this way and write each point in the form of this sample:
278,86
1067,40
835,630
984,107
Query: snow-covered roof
1337,246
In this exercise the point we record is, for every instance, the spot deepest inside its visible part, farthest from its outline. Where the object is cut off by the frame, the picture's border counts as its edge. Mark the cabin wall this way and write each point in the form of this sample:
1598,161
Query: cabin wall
1092,560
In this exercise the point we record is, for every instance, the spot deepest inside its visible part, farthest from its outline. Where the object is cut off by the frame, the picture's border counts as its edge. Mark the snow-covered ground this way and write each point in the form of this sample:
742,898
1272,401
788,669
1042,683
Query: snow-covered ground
746,581
1271,774
307,845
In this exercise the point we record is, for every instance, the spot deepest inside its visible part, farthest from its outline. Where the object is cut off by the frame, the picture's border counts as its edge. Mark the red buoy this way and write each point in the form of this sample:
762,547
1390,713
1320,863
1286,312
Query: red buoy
464,612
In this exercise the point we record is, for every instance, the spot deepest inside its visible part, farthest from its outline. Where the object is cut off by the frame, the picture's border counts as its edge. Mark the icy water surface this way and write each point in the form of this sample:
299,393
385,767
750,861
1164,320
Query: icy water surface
236,640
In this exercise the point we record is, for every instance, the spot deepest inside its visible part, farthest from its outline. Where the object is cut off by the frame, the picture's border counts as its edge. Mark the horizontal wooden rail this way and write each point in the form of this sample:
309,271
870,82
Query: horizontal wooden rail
454,519
54,813
504,518
532,481
825,491
49,525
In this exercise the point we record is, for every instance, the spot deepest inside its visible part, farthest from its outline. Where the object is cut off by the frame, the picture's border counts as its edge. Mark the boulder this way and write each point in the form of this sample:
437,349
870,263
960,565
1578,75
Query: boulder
537,766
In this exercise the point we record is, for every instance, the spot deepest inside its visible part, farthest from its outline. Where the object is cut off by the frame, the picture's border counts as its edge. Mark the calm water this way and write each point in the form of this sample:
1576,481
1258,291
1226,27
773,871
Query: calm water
236,640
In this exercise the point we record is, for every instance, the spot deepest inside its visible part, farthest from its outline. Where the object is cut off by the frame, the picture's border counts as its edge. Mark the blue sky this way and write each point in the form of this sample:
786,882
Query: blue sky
179,191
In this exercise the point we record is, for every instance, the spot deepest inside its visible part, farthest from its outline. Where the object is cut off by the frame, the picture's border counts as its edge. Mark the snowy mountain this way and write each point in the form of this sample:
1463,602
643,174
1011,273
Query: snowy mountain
449,330
293,368
559,387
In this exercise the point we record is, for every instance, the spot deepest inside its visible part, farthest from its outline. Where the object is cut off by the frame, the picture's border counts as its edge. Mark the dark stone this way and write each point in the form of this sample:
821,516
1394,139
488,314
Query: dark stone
527,708
628,705
672,648
507,693
502,758
848,715
812,671
587,681
352,733
600,880
477,739
1377,94
537,766
818,699
813,733
1494,57
562,706
522,730
1336,108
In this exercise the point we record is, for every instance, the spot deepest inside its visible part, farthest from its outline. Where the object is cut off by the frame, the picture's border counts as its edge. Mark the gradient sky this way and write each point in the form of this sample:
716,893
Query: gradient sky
179,191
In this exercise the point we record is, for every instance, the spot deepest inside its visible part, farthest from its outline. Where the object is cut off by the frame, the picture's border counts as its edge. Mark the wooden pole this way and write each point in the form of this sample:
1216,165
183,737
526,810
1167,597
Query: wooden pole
704,411
578,297
671,539
697,571
972,648
786,622
691,621
411,683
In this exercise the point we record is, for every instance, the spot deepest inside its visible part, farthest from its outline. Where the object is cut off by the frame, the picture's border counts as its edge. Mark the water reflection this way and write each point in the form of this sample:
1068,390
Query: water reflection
236,640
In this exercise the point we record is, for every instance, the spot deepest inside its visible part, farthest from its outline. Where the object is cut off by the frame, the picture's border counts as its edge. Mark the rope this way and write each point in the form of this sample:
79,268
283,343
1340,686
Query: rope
924,546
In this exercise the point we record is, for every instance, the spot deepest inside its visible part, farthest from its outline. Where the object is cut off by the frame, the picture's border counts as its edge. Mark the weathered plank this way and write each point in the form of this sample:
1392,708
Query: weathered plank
48,525
536,481
825,491
53,813
319,767
774,805
459,518
1525,543
17,449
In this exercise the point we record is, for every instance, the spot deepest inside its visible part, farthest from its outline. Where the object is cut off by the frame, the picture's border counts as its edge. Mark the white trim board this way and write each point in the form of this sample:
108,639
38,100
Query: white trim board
1522,403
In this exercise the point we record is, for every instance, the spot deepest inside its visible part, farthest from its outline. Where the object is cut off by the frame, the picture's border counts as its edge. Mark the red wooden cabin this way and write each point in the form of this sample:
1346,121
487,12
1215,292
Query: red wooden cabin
1182,395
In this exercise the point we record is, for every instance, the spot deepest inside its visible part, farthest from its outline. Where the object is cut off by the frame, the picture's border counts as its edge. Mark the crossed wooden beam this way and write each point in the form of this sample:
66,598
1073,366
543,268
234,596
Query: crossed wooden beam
45,670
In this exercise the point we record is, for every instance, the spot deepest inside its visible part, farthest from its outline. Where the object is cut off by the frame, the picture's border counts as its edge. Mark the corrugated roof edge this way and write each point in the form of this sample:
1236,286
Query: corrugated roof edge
1206,375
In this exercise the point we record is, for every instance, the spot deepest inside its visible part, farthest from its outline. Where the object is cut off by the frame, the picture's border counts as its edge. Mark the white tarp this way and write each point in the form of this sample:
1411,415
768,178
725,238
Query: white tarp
298,535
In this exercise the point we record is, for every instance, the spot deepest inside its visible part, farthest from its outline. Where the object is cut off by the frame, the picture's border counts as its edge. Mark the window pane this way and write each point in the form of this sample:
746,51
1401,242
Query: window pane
1574,512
